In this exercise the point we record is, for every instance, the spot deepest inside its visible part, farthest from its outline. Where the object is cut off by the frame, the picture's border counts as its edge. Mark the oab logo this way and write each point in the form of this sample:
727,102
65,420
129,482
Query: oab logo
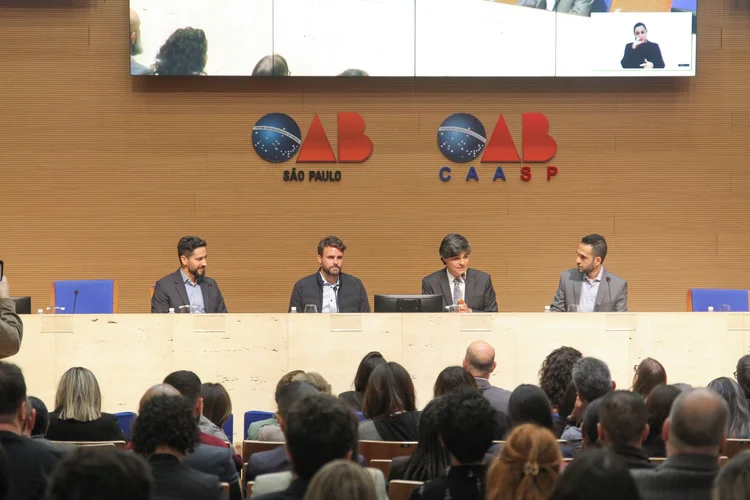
462,138
277,138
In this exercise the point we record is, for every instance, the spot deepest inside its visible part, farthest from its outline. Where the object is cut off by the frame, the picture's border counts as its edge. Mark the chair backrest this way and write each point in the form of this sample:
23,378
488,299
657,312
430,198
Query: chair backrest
125,420
249,489
225,486
386,450
601,6
228,428
94,296
723,461
735,446
699,299
401,490
383,466
117,444
250,447
255,416
657,460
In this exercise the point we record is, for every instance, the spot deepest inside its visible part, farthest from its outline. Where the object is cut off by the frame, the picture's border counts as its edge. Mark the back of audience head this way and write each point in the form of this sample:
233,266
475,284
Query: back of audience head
285,380
184,53
557,372
390,390
529,404
354,72
341,480
743,374
452,378
480,359
274,65
165,424
189,385
157,390
217,405
733,481
739,409
697,423
101,473
596,474
289,395
658,404
315,379
648,374
466,424
366,366
136,45
592,379
528,465
683,387
430,459
78,396
320,429
623,419
590,425
38,418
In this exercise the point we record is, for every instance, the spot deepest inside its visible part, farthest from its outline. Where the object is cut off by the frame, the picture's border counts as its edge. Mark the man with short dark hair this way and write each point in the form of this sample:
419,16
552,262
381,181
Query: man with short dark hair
623,427
29,461
329,289
589,287
466,426
592,380
94,473
188,289
590,425
480,363
695,433
277,460
274,65
462,287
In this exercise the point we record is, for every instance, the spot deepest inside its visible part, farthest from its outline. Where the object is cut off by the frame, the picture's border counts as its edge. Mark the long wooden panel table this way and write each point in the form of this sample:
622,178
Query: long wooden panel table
249,352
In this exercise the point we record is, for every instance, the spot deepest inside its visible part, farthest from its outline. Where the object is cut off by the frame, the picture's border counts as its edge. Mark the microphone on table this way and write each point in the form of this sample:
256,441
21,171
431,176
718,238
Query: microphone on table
75,299
609,289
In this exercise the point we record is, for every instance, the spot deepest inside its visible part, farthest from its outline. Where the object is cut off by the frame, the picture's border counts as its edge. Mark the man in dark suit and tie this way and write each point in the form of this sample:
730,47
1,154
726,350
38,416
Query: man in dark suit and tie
188,289
468,289
329,289
589,287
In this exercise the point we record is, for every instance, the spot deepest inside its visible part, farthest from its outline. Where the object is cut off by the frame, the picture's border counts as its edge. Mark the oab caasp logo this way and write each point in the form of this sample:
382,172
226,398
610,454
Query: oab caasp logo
277,138
462,138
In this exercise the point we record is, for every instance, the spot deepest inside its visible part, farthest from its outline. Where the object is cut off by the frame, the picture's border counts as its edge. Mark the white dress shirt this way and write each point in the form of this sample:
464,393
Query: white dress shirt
461,286
329,296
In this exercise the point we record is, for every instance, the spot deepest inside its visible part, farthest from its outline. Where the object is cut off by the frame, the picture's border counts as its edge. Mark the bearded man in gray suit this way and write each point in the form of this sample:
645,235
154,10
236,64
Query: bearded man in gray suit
577,7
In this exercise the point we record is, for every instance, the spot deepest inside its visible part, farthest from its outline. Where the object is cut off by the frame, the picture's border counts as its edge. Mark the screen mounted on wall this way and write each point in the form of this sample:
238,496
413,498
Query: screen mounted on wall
464,38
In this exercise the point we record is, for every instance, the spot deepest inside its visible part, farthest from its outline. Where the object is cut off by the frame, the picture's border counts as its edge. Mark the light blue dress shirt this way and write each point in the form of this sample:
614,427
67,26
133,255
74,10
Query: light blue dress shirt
589,289
329,296
194,293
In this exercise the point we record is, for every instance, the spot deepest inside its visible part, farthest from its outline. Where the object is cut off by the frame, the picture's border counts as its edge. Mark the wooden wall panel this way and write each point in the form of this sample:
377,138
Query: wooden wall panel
102,173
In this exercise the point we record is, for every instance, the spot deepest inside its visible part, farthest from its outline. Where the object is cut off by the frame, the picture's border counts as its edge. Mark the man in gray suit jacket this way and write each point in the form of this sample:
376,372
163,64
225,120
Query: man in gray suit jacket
468,289
577,7
589,286
695,433
480,362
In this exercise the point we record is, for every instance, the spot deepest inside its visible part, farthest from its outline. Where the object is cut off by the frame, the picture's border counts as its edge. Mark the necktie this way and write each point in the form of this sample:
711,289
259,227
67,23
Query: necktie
457,290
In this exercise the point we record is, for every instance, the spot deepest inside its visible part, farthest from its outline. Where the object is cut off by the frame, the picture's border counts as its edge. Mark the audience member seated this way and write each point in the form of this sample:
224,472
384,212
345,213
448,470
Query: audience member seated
356,398
390,406
319,429
78,411
277,460
590,425
529,404
212,455
695,432
354,72
40,415
623,426
430,459
683,387
101,473
466,426
556,380
165,432
185,53
452,378
733,481
480,363
658,404
274,65
274,433
596,475
217,407
739,409
254,428
136,45
648,374
743,374
592,380
29,461
528,465
341,480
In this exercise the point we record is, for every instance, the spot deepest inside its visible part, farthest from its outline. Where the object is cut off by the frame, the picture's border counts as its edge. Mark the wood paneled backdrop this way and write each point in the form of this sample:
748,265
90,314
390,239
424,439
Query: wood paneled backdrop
101,173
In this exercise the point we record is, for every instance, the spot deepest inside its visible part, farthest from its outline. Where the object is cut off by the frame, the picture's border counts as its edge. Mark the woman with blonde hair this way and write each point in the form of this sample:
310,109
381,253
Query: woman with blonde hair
78,413
528,465
342,480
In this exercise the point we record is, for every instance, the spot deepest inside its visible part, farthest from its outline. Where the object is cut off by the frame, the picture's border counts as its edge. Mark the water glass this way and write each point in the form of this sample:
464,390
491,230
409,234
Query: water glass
724,308
311,308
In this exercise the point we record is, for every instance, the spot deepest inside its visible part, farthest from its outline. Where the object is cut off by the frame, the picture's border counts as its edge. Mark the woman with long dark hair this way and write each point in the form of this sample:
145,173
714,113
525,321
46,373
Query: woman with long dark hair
529,404
430,459
452,378
390,405
739,410
356,398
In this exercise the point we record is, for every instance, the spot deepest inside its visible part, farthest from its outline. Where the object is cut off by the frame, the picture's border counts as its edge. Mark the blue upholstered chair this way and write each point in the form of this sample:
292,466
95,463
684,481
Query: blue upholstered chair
125,421
255,416
699,299
94,296
228,428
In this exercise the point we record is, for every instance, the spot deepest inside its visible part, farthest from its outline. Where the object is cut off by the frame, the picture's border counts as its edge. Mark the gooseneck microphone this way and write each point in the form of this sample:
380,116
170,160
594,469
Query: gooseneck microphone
336,293
609,289
75,299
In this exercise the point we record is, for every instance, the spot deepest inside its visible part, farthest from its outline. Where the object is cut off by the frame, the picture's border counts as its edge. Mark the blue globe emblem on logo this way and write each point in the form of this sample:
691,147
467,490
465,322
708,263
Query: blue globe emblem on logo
461,137
276,137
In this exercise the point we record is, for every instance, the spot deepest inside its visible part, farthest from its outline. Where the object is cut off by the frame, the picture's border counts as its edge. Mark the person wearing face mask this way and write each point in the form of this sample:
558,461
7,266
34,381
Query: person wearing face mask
642,53
465,289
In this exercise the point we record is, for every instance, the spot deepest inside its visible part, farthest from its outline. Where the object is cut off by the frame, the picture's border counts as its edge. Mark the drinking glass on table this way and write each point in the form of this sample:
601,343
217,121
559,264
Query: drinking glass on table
311,308
724,308
573,308
453,308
